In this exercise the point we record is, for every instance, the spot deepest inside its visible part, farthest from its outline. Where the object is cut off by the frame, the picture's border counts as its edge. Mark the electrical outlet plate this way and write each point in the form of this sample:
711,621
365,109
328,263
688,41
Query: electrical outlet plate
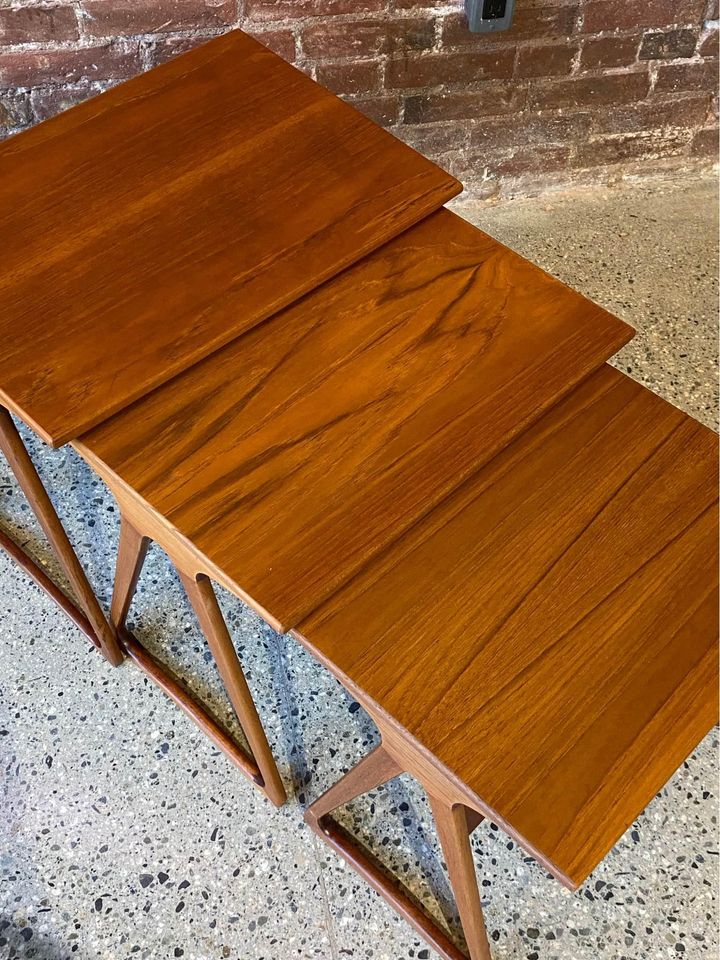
488,16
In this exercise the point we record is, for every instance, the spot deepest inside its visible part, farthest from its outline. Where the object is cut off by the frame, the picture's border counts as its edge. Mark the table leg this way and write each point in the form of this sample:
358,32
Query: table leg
86,613
202,596
132,550
454,831
455,823
261,767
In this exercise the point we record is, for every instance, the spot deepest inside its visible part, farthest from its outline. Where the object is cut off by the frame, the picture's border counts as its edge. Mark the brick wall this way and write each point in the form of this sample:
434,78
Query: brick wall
577,90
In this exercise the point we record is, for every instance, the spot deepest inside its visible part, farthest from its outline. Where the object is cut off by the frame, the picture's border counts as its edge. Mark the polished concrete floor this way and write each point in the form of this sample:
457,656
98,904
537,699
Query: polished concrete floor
123,833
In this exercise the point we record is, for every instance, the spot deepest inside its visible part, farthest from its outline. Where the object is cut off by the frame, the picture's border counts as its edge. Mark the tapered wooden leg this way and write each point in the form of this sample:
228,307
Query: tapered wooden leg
22,466
375,769
202,597
454,831
132,550
182,697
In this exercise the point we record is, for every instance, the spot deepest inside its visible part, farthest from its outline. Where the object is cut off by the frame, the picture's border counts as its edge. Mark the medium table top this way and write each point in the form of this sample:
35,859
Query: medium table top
147,227
549,632
299,451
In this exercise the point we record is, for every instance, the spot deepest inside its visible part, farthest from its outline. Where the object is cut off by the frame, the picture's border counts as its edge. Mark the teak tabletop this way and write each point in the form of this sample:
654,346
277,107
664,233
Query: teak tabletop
145,228
549,633
292,456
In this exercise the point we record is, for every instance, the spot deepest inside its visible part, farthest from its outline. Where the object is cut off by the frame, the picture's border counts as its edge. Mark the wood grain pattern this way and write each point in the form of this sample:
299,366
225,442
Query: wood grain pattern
145,228
295,454
549,633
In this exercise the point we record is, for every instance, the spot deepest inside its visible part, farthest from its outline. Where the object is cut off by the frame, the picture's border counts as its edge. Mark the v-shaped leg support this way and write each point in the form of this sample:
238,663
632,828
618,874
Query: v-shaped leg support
86,613
259,766
454,821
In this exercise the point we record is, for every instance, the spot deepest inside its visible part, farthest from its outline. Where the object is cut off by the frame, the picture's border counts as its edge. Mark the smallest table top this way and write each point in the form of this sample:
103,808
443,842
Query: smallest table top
549,633
146,228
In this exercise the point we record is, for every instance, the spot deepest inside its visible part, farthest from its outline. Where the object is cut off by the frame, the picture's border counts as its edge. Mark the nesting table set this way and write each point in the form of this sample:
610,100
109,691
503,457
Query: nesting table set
245,306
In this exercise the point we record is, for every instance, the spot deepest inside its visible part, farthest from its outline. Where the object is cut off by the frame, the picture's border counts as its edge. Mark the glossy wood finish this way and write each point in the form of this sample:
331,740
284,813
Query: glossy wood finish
260,766
548,635
290,458
147,227
85,612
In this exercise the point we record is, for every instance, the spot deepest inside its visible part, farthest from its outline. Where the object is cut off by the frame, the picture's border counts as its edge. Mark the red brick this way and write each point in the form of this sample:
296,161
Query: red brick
609,150
383,110
112,18
297,9
530,130
37,24
434,141
52,100
668,45
709,46
351,52
624,14
610,51
31,68
163,49
590,91
491,99
546,60
689,112
281,42
674,77
542,160
360,76
705,143
470,171
528,23
437,68
367,38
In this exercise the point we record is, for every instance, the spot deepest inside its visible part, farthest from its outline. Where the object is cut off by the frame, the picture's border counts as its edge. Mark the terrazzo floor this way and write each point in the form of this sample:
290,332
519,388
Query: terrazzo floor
125,834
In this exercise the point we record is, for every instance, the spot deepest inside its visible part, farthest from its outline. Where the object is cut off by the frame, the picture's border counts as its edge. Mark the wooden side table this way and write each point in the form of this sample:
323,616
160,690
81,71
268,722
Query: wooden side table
541,650
146,228
423,466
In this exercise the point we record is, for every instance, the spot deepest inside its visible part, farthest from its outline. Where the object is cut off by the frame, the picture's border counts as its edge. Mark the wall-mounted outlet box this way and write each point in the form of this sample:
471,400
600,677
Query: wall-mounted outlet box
487,16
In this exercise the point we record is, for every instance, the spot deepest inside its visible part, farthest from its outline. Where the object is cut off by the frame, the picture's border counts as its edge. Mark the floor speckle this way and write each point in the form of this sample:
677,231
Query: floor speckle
125,834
